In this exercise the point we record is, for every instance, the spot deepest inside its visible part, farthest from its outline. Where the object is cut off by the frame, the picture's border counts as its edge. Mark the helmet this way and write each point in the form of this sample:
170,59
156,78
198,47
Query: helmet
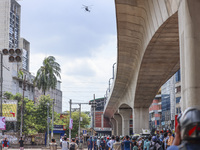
189,123
154,138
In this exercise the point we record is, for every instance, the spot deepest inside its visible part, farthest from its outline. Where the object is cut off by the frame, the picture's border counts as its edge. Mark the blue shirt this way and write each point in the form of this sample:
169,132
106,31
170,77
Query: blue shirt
127,145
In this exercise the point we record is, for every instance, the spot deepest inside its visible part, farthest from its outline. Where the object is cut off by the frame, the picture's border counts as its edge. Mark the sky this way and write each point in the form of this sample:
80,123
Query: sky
83,43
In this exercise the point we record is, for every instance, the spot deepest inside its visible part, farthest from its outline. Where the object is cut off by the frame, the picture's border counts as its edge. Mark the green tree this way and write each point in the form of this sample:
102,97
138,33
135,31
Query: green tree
41,113
47,74
75,116
29,117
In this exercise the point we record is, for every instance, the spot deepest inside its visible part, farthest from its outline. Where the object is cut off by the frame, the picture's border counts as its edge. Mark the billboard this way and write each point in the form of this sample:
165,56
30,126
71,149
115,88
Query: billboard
9,110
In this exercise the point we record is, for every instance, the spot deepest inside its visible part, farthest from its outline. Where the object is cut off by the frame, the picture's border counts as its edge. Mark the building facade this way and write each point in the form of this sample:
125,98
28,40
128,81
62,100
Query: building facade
10,17
155,114
102,124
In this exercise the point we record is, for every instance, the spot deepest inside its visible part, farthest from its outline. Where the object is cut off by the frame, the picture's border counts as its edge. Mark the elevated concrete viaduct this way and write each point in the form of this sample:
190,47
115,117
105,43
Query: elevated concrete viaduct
155,39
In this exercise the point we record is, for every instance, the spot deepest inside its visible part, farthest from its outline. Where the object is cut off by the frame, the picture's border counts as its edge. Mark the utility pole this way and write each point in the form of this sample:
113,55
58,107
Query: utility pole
79,128
1,94
22,105
48,121
52,119
70,114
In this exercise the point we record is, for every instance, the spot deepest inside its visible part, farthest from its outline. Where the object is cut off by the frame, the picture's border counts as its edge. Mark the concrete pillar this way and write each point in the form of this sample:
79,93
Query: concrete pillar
113,121
140,119
189,38
125,114
118,119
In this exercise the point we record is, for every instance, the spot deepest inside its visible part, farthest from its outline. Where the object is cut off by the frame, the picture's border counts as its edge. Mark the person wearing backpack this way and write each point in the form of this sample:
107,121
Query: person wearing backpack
73,145
102,144
154,145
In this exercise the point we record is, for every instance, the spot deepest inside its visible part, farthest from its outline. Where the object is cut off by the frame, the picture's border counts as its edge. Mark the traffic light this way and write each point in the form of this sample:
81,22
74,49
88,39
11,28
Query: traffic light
14,54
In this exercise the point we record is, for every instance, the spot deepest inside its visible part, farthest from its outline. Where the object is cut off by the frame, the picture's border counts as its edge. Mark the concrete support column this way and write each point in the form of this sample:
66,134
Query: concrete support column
189,37
113,121
140,119
118,119
125,114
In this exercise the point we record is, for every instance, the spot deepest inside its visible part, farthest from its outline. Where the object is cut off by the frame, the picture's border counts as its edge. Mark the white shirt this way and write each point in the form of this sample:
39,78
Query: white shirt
64,145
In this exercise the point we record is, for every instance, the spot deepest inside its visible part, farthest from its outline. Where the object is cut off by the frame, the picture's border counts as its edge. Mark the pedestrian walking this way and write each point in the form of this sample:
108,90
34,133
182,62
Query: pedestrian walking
127,143
21,144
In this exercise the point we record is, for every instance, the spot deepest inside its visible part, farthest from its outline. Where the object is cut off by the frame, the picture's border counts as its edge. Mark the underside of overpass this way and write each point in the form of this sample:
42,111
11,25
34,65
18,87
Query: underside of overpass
148,53
149,33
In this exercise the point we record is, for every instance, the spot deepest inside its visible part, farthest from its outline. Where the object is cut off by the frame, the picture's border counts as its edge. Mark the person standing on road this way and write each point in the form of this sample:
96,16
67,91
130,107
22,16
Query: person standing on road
127,143
5,144
110,143
73,145
65,144
90,143
117,144
81,143
21,144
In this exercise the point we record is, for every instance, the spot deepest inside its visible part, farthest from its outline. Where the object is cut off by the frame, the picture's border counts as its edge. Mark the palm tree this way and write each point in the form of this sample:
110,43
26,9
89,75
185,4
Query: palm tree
47,74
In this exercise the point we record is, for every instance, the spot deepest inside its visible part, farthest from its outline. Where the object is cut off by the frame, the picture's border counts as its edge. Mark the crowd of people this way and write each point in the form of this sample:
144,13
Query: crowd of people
130,142
187,137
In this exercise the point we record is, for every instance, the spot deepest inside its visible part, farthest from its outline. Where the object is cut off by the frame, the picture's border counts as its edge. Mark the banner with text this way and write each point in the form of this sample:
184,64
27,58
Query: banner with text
9,110
71,123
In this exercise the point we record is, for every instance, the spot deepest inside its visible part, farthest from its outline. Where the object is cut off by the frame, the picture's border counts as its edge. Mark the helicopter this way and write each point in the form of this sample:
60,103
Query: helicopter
86,8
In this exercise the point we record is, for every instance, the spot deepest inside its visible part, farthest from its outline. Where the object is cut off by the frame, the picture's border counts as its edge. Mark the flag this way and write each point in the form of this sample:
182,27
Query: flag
70,123
2,123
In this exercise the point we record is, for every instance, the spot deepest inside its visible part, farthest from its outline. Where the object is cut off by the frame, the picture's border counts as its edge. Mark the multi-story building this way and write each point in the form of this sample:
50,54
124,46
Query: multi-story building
178,92
155,113
101,124
10,17
168,104
54,94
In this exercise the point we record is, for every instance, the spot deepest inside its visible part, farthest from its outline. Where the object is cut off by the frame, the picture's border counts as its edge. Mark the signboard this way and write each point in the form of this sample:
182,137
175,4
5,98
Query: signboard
2,123
84,131
9,110
58,127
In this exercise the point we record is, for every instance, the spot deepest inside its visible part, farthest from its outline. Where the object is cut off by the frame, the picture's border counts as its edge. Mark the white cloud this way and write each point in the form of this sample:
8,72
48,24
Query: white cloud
83,77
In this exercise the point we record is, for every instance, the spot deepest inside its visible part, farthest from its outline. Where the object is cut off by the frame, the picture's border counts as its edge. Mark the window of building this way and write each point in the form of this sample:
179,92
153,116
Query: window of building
20,84
178,100
131,122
